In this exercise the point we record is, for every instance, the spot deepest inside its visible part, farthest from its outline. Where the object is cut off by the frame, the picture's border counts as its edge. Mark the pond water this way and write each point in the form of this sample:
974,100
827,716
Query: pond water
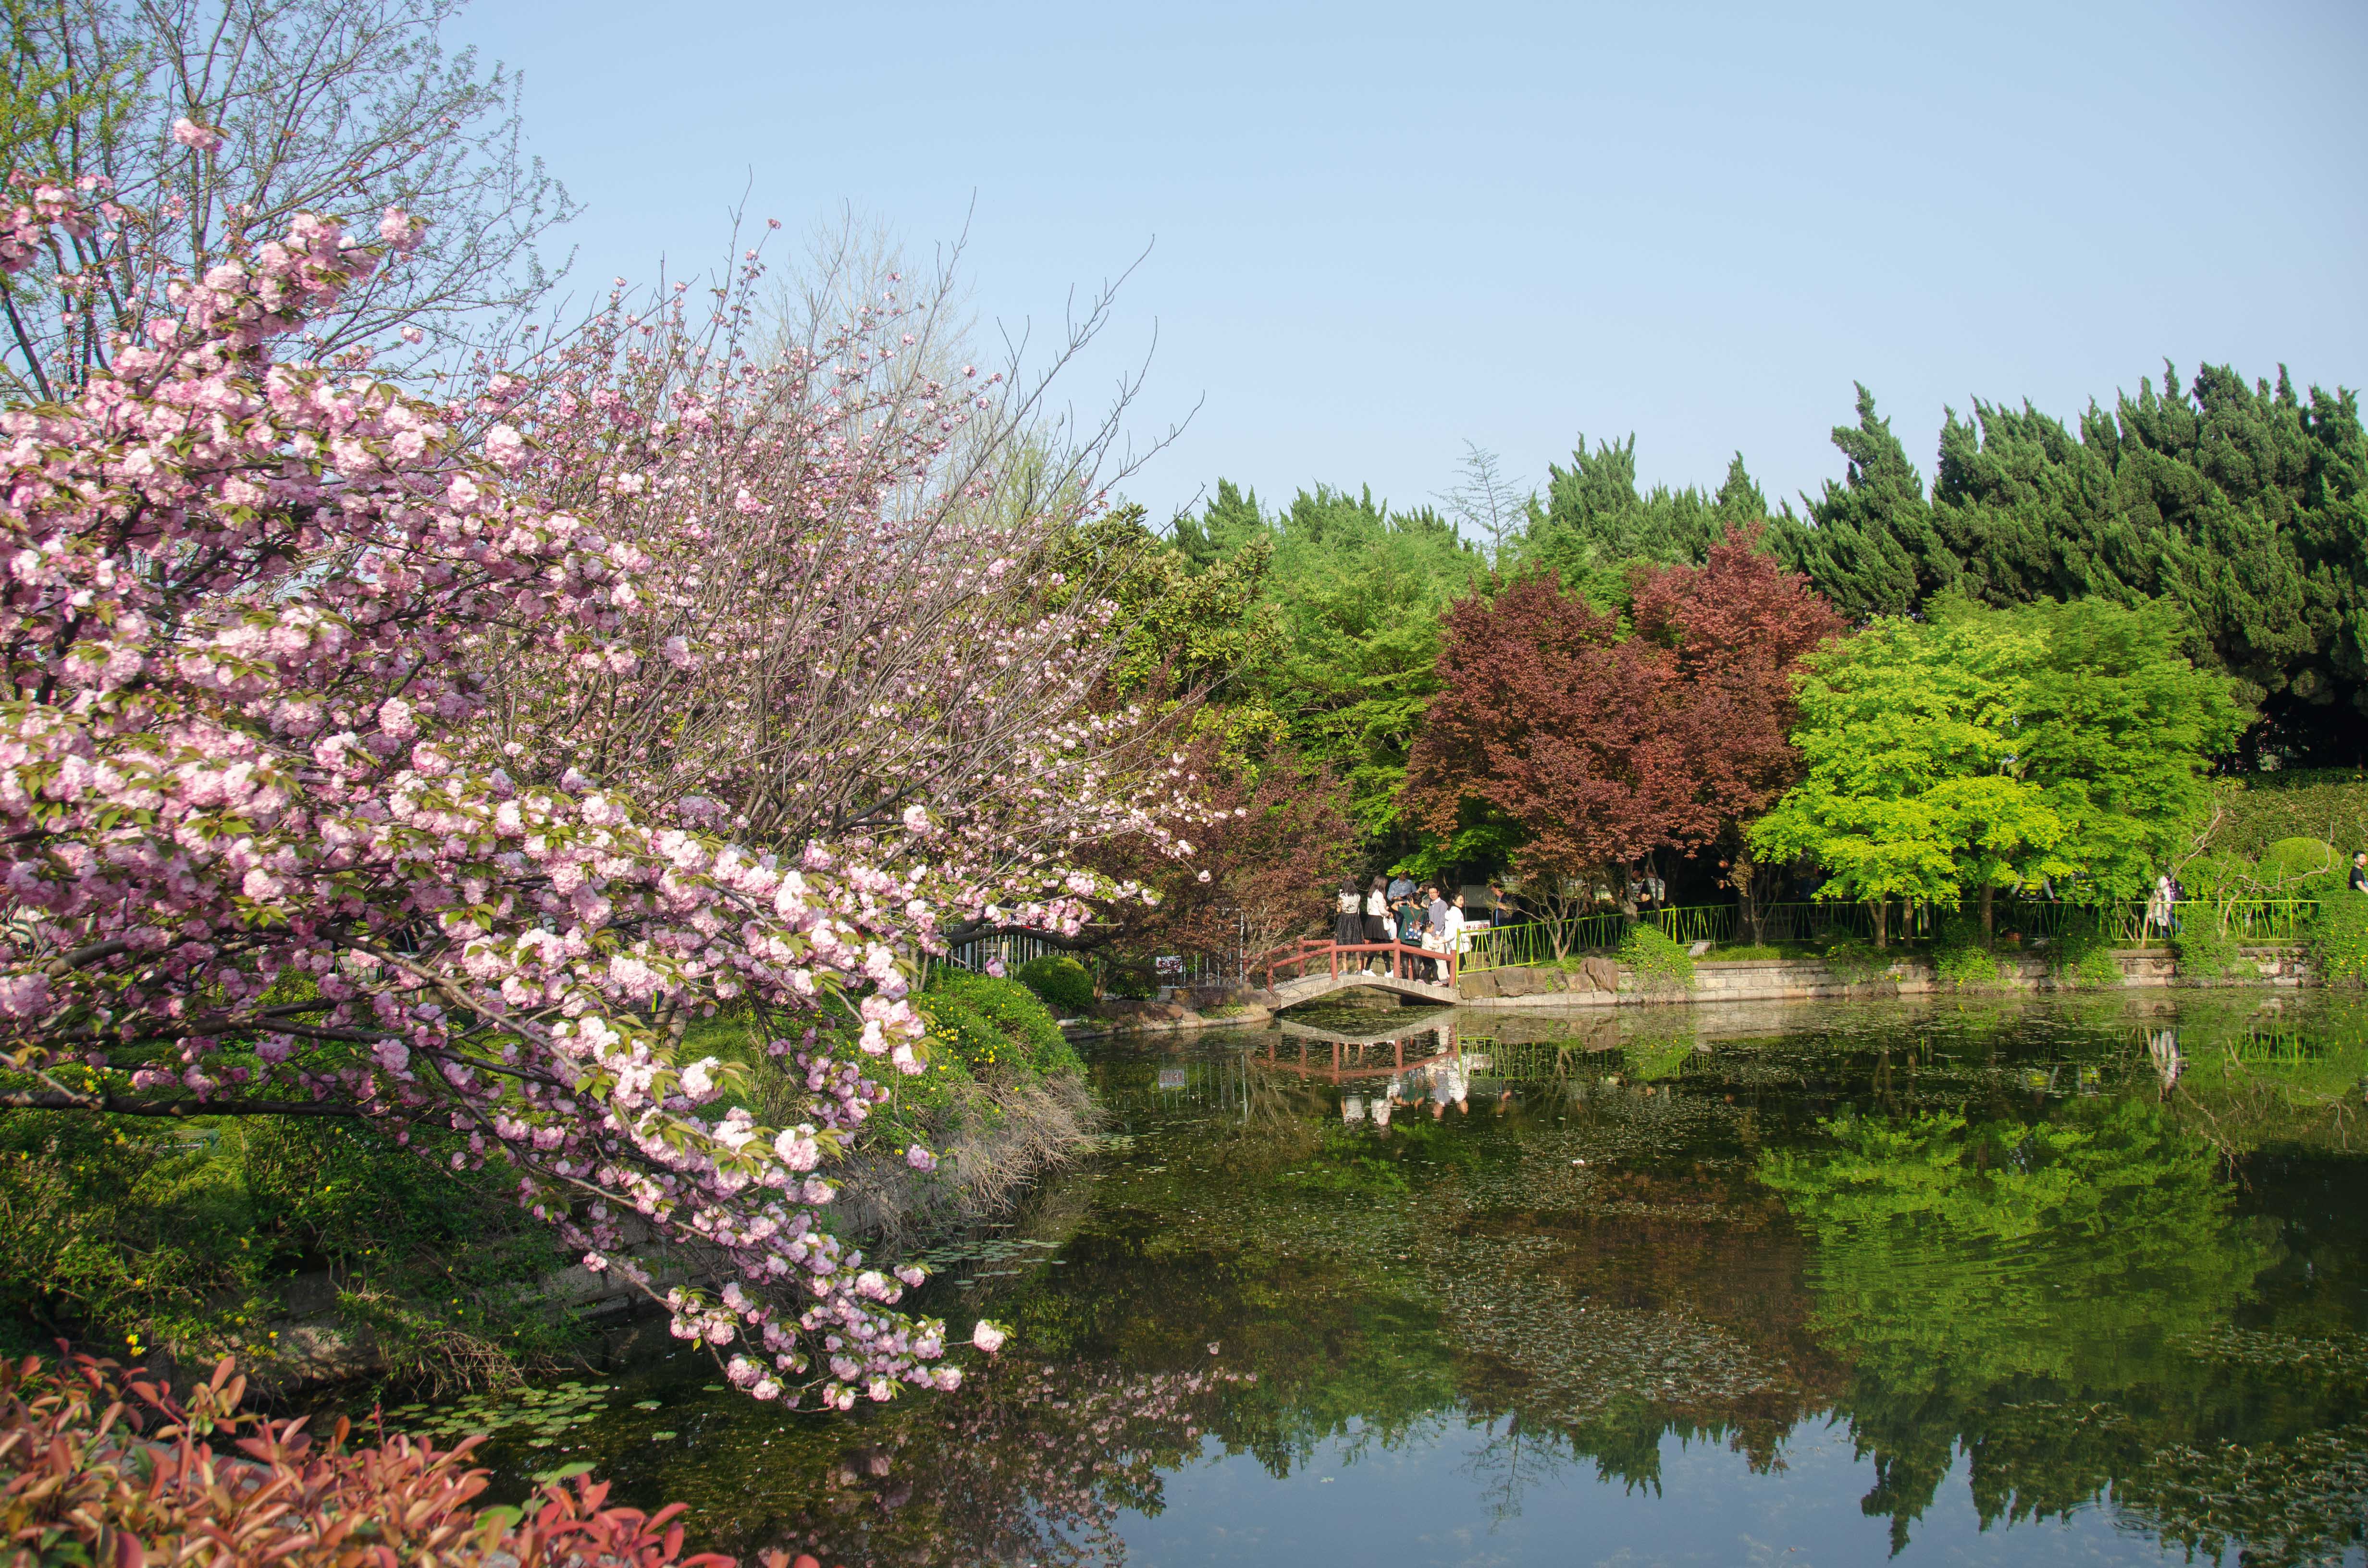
2037,1281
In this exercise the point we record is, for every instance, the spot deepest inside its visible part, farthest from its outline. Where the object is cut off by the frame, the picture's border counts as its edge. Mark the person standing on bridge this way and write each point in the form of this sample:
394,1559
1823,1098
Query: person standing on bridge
1409,921
1377,925
1434,936
1346,927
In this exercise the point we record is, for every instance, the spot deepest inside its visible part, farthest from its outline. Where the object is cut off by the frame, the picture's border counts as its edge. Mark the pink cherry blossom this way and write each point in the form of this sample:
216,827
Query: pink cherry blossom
191,134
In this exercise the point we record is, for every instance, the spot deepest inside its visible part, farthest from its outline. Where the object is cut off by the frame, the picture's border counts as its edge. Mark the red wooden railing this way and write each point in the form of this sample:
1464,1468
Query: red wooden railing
1405,963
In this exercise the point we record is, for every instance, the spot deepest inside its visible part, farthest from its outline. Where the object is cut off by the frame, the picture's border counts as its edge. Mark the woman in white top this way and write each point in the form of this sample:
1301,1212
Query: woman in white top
1377,924
1455,924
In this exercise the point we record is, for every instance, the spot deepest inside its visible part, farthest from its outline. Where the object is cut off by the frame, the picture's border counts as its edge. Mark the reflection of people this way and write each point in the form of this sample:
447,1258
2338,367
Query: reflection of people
2163,1046
1449,1087
1352,1108
1380,1108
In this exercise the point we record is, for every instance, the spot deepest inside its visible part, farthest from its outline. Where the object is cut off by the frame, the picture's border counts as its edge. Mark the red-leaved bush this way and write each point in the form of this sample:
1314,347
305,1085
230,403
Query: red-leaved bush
100,1469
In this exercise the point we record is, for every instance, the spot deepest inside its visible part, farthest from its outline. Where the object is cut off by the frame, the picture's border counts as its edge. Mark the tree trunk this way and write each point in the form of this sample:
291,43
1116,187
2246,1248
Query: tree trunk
1989,924
1881,906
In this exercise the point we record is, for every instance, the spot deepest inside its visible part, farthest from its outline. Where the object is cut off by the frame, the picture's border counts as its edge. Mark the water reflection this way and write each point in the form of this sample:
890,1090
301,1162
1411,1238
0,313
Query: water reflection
1689,1285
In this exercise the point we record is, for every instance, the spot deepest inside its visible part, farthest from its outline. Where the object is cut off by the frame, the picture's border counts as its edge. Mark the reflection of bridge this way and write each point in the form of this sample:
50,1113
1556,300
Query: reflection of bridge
1362,1055
1320,968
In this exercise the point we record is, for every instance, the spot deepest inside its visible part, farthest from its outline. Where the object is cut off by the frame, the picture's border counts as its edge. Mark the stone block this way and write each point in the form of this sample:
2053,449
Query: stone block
1603,973
1481,984
1527,981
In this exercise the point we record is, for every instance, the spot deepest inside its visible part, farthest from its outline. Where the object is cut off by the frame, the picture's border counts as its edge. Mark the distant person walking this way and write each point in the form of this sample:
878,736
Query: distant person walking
2359,872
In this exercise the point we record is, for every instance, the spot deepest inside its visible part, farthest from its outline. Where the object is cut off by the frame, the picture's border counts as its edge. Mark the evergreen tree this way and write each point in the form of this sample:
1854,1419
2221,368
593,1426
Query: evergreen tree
1868,543
1592,524
2242,504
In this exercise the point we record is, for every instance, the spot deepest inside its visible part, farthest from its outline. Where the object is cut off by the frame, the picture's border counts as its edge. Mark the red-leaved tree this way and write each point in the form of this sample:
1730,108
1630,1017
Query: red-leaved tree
1263,866
1598,743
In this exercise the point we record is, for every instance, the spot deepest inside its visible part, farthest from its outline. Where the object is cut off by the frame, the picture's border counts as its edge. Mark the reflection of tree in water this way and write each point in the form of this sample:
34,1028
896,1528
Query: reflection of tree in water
1034,1464
2287,1072
2030,1294
2020,1273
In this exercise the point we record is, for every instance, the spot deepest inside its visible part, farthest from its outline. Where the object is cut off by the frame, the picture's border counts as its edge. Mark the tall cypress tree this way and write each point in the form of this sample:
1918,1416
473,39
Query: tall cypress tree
1868,543
1593,519
2244,505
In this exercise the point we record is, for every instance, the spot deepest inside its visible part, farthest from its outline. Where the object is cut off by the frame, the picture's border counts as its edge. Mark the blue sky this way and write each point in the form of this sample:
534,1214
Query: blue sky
1379,231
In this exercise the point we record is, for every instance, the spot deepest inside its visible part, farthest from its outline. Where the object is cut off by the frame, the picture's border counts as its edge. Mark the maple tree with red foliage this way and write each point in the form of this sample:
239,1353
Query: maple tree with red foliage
1595,743
1263,866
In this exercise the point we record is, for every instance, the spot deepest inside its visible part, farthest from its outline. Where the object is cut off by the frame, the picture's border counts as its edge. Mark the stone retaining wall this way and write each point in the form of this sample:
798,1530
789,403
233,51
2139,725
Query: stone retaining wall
1601,982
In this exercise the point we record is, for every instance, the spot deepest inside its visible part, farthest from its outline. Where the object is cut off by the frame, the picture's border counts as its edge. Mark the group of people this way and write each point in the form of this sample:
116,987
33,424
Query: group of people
1398,910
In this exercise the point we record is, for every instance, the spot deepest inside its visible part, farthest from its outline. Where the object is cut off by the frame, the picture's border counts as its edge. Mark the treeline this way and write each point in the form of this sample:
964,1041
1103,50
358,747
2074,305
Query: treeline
2241,504
2216,538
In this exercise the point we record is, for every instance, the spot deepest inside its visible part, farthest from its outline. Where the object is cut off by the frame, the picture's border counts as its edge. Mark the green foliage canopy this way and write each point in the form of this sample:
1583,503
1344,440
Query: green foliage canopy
2242,504
1986,748
1356,590
1909,732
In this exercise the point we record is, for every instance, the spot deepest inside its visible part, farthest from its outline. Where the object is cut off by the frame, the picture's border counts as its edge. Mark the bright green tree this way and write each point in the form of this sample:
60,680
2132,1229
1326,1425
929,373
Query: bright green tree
1356,589
2118,727
1916,788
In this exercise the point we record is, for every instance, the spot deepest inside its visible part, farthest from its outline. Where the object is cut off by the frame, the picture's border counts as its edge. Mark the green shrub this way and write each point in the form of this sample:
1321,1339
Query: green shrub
2081,956
1965,963
2203,951
2292,860
1961,928
1658,963
1061,981
2259,809
996,1024
2337,939
1855,961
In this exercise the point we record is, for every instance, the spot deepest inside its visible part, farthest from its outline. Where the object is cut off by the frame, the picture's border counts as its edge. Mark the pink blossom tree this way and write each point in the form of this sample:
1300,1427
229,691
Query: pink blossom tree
368,757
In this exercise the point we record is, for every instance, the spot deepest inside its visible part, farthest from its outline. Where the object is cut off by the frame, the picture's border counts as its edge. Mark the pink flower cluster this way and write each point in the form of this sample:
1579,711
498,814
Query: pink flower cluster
282,847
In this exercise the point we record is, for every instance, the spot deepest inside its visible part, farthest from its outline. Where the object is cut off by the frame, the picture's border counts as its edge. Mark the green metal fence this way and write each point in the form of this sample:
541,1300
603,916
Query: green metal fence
2123,925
